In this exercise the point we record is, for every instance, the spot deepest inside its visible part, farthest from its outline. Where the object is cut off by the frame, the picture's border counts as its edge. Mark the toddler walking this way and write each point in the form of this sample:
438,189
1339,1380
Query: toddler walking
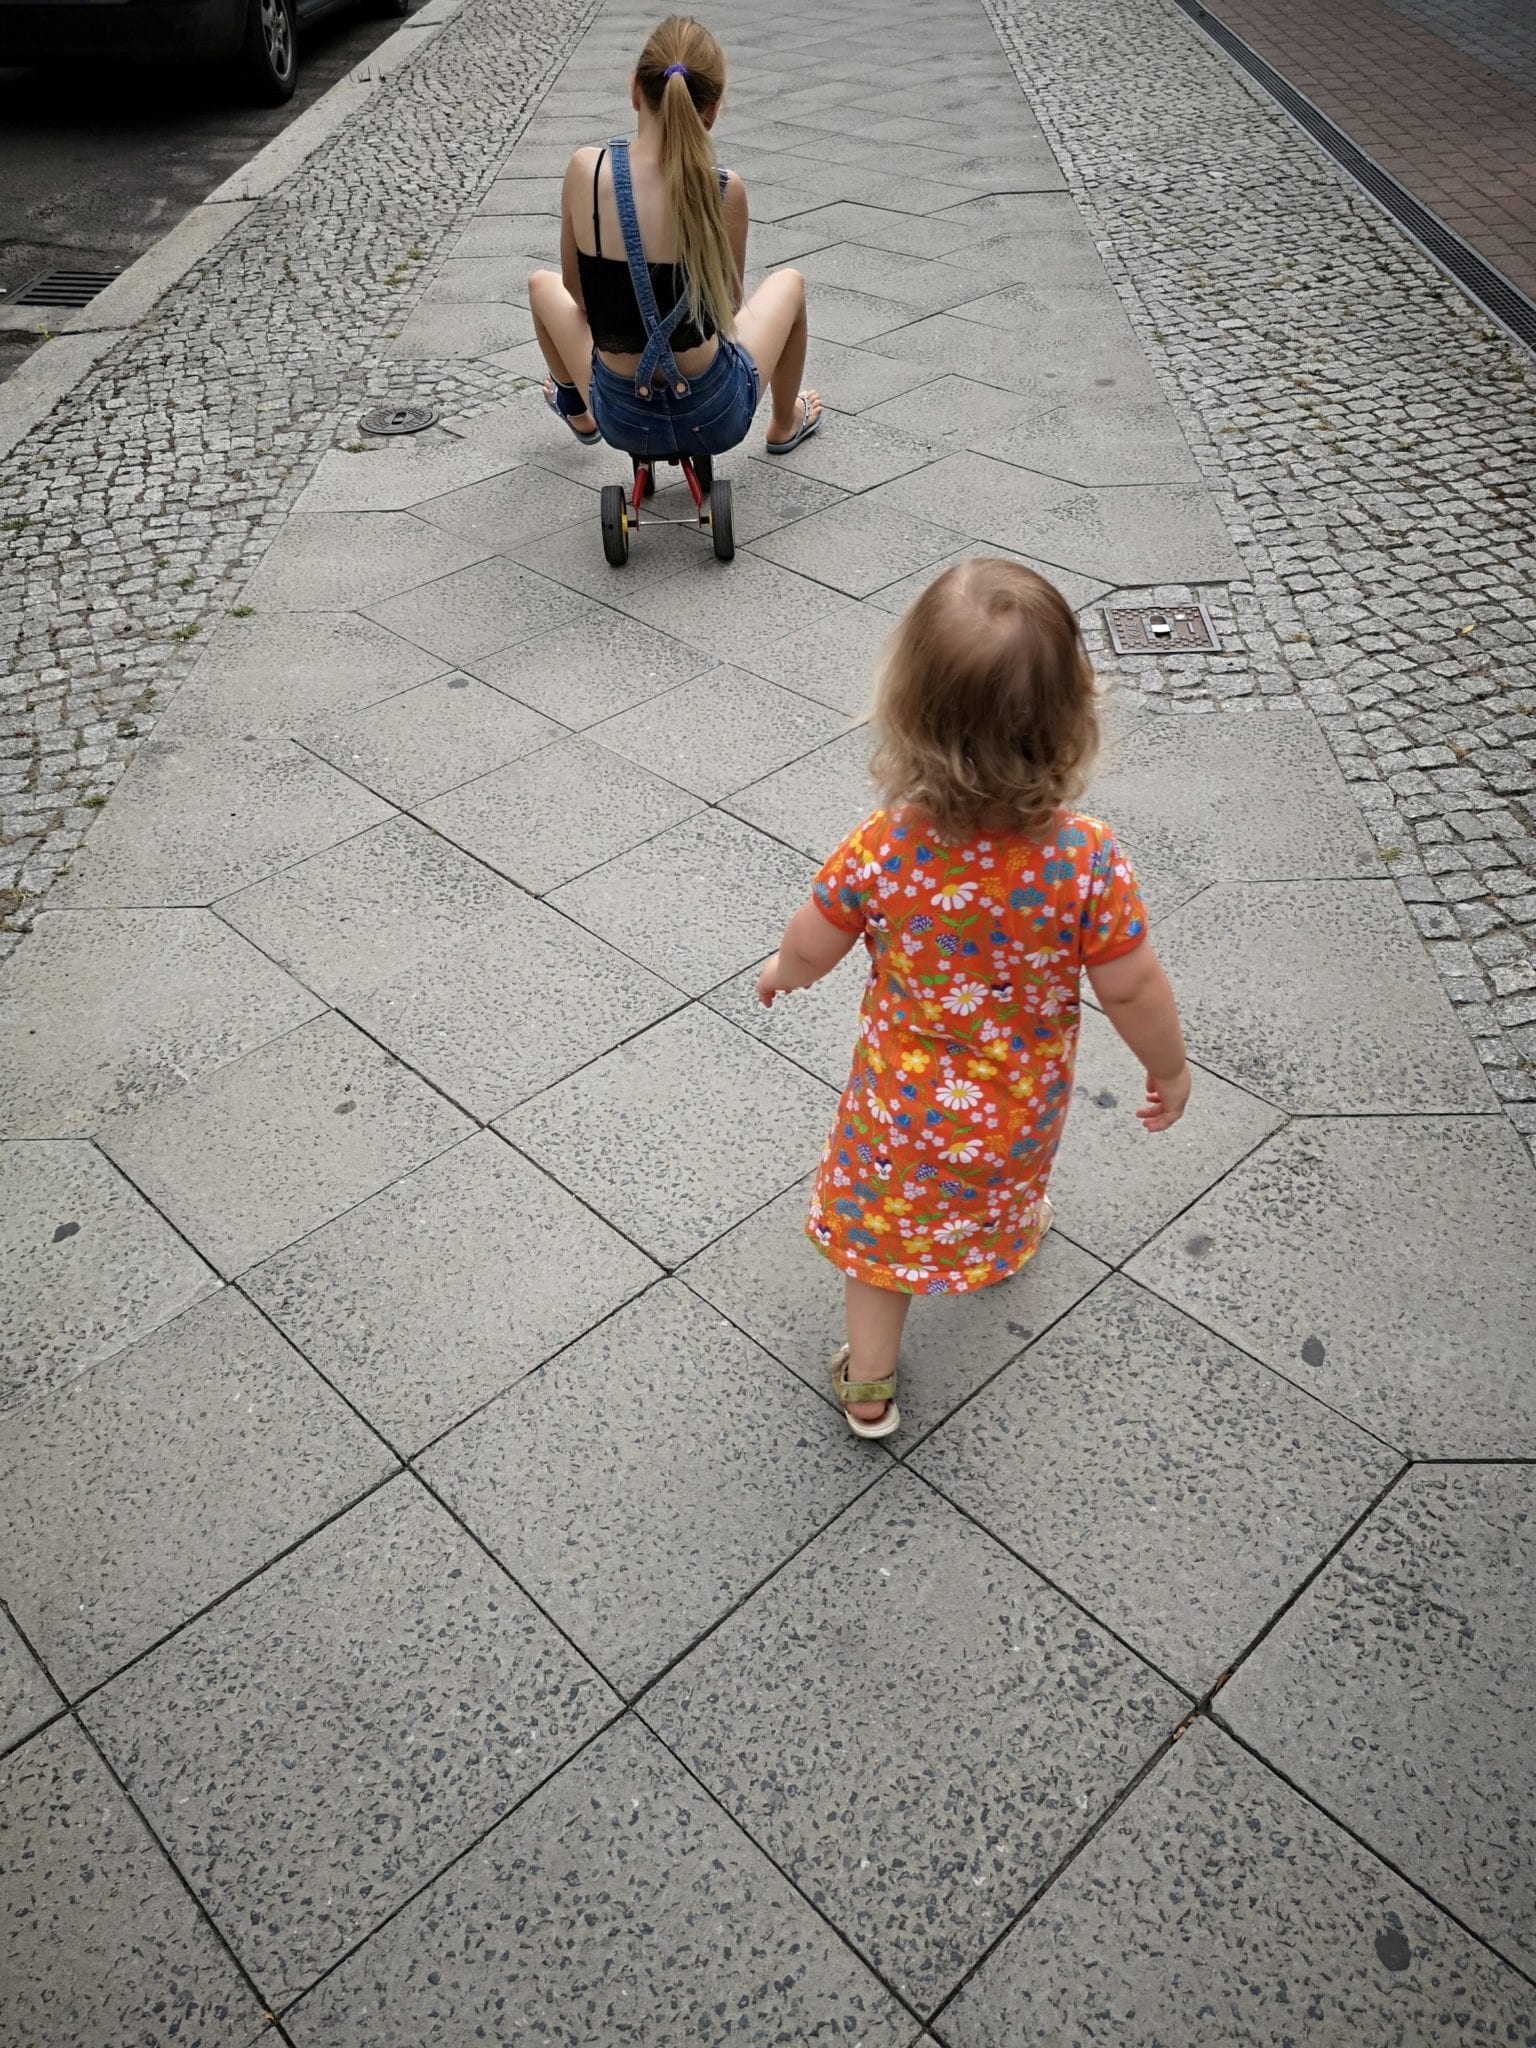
982,901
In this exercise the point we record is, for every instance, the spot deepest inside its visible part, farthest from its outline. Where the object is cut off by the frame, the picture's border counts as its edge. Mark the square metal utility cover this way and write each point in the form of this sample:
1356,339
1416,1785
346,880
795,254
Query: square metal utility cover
1162,629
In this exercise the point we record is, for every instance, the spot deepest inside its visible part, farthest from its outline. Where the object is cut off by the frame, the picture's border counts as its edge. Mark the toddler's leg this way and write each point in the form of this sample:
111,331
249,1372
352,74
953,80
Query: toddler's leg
876,1317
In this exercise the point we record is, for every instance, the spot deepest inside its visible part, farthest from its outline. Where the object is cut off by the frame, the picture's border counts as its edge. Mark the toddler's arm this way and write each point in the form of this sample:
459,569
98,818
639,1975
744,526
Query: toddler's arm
811,947
1139,1003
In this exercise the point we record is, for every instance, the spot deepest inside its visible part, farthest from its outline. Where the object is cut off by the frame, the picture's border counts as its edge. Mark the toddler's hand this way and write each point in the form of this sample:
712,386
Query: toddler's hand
1165,1100
769,984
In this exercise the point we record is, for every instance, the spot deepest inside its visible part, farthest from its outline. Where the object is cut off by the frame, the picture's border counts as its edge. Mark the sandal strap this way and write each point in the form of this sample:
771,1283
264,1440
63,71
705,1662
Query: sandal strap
849,1391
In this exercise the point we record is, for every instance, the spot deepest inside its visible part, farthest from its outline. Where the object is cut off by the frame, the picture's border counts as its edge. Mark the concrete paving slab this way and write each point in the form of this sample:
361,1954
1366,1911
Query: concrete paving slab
1196,801
816,1027
1057,251
678,1135
443,1289
1352,1256
559,812
1172,1486
243,809
269,675
476,612
507,229
852,379
766,602
139,1493
859,548
1398,1693
1089,305
639,1516
835,313
719,732
98,1932
573,556
342,561
480,281
1044,366
1138,533
257,1154
430,738
595,665
27,1700
1340,951
915,281
523,195
492,1015
855,453
88,1265
845,222
391,475
408,1658
696,903
106,1010
518,505
954,412
772,1283
1201,1870
1056,1719
1115,1186
833,660
659,1893
356,914
1098,442
815,802
1078,590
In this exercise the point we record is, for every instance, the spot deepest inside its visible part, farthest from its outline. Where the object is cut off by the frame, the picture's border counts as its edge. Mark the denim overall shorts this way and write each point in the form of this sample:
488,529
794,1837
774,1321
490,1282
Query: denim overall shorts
660,412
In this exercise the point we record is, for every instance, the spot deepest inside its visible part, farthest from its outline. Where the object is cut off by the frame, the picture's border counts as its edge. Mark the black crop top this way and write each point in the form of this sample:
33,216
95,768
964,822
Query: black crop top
612,313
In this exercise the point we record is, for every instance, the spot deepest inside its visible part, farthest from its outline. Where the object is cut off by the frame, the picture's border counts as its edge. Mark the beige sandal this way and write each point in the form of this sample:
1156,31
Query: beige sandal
861,1391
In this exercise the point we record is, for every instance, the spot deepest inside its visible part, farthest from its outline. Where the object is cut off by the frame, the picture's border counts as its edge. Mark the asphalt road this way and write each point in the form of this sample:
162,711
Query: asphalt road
97,166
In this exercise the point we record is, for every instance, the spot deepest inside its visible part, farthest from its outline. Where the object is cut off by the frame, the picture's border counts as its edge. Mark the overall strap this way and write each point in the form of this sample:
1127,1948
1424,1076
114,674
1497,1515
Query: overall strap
657,354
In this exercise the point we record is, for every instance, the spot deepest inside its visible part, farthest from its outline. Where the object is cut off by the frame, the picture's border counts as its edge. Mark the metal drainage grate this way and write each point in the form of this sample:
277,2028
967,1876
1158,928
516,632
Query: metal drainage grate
1162,629
397,419
1476,276
64,290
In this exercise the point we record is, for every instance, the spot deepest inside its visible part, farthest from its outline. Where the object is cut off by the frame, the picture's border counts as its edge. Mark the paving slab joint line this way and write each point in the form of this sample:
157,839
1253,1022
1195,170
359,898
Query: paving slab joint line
199,1909
1378,1855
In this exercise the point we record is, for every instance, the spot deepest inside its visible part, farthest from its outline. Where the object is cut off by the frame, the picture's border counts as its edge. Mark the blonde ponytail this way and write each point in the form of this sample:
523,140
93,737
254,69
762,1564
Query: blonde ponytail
681,72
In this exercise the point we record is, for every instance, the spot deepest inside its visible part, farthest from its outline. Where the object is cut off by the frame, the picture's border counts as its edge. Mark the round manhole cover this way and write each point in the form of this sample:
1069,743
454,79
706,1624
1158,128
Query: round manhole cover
397,419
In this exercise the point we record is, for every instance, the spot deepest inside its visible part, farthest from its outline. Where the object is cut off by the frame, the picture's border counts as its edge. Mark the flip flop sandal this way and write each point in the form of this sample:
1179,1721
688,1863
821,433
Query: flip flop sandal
803,432
557,397
861,1391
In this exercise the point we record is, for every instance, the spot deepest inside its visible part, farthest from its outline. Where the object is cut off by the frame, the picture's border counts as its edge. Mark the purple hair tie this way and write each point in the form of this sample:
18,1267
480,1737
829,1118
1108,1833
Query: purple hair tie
674,71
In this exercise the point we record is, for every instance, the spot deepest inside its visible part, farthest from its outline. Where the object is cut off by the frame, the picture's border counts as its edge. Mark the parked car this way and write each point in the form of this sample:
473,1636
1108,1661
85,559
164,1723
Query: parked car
258,39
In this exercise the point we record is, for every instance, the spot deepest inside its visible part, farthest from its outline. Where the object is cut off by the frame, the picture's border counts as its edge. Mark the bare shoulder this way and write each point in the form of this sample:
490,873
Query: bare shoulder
734,197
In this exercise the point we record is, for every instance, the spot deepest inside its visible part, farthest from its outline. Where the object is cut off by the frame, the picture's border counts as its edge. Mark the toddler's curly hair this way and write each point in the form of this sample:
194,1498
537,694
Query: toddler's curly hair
986,714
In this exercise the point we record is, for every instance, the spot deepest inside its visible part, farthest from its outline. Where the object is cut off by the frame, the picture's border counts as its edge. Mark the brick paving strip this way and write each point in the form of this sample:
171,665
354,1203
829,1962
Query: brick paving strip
440,1599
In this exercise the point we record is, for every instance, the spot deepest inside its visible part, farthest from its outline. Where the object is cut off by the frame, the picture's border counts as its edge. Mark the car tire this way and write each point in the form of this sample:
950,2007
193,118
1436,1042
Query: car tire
269,57
395,10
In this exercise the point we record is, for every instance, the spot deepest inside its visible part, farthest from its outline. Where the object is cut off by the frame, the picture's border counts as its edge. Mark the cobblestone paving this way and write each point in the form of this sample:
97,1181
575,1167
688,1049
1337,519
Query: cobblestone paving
1379,439
132,515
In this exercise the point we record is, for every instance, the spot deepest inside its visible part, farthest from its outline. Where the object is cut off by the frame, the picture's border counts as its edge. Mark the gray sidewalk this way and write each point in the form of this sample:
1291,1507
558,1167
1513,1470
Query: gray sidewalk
447,1607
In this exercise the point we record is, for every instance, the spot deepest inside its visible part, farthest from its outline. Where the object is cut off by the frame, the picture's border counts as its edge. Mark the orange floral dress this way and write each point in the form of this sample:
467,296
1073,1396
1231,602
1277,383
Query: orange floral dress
932,1178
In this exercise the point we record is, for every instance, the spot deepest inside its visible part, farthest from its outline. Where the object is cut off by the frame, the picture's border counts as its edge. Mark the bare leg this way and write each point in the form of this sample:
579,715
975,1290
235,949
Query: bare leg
771,328
876,1318
563,335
